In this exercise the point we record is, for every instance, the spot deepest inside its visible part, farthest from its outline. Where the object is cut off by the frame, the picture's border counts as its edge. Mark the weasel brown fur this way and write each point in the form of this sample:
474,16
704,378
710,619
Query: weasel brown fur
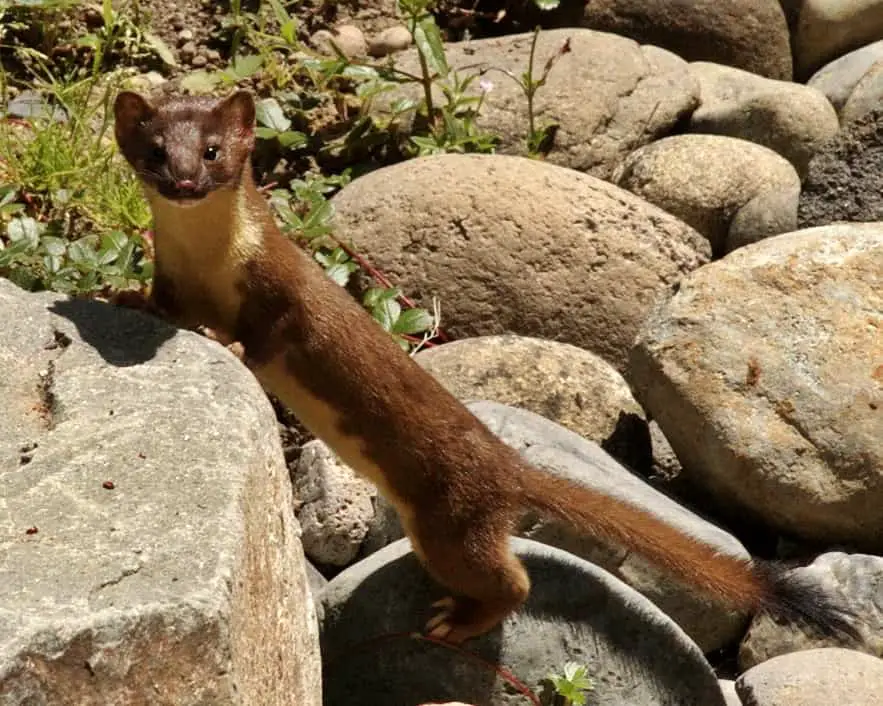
221,262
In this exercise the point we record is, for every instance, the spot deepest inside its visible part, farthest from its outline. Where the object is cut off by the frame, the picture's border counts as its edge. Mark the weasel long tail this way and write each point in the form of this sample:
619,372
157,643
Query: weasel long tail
740,583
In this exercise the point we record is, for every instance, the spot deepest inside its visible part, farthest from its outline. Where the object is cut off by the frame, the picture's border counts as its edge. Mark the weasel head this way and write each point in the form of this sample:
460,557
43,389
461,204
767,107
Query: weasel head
183,148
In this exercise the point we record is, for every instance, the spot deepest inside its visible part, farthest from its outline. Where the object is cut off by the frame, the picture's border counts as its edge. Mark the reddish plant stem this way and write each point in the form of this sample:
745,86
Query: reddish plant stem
380,277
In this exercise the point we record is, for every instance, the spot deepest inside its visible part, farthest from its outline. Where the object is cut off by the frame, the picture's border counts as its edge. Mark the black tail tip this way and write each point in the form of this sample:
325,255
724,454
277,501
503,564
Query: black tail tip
802,598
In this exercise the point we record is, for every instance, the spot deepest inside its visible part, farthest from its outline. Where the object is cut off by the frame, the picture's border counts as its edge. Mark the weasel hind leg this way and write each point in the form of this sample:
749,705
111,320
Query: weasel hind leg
488,581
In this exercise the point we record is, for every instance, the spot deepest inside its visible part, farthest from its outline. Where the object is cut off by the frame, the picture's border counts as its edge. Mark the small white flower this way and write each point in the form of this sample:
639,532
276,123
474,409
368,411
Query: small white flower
486,85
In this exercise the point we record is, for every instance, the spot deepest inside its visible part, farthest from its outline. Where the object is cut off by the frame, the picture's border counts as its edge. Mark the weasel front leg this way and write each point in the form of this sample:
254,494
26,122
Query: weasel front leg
488,580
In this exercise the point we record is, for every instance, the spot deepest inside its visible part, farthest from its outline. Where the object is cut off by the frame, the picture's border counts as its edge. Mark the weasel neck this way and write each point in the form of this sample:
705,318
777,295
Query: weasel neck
218,229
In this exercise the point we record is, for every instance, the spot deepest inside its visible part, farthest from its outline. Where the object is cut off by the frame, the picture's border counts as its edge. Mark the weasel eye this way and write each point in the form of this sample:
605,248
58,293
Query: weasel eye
158,152
211,153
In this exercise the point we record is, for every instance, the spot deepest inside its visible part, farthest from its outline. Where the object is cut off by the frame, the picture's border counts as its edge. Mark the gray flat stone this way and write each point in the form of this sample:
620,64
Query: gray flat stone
635,654
182,584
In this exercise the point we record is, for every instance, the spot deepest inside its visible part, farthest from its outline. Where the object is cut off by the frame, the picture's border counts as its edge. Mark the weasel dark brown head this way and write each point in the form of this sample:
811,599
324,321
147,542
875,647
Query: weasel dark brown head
185,147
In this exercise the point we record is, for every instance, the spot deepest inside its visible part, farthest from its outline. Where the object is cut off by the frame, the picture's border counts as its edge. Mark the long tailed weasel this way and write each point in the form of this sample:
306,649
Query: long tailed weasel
221,262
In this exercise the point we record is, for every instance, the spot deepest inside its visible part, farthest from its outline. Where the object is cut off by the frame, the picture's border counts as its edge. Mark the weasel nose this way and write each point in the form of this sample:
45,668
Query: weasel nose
185,185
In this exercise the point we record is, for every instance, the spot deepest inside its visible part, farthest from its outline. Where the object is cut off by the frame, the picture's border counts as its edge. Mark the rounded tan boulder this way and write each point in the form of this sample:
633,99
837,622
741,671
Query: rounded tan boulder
513,245
765,372
722,186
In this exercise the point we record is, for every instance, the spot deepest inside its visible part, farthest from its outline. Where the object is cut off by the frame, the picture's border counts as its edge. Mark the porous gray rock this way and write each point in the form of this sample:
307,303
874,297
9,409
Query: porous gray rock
828,29
789,118
562,453
844,182
576,611
857,579
820,677
513,245
607,94
749,34
838,79
334,506
763,371
713,182
150,552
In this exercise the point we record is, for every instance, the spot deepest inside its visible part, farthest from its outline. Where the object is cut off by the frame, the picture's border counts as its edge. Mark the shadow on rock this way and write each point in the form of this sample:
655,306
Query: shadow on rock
123,337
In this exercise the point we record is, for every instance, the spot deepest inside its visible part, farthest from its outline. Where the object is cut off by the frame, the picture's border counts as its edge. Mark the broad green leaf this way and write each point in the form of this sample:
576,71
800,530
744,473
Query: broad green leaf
387,312
200,82
362,73
161,48
88,40
53,245
413,321
115,240
341,272
429,42
269,114
25,229
245,66
319,216
291,139
266,133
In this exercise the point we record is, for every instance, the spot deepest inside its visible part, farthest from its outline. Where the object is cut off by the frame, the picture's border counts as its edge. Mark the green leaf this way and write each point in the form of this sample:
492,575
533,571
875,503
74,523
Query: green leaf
53,245
319,216
269,114
81,252
428,39
160,47
387,312
266,133
88,40
288,31
115,240
291,139
245,66
547,4
281,13
341,272
24,229
200,82
362,73
413,321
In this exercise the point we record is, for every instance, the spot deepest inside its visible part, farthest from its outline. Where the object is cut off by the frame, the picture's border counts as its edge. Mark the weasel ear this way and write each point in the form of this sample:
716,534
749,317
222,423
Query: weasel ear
239,110
130,108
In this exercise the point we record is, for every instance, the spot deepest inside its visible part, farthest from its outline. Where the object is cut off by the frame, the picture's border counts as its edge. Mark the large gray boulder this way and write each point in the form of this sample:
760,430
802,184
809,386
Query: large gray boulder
148,547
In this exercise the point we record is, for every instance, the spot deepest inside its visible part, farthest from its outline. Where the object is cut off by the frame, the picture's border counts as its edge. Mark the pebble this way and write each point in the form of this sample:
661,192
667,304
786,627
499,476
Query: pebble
390,40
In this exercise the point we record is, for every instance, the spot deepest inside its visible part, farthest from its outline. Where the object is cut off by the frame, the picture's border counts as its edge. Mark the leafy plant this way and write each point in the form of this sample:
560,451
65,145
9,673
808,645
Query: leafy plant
571,684
538,139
